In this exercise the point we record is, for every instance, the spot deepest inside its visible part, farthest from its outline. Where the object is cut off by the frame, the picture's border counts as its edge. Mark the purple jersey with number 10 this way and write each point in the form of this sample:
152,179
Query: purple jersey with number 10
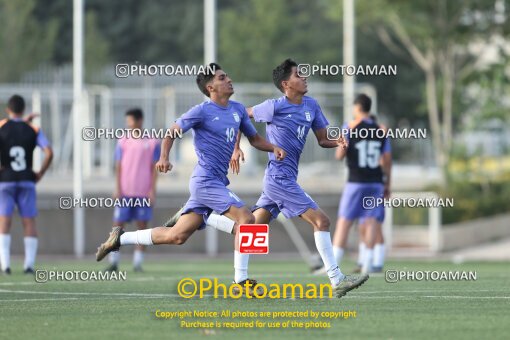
214,134
215,130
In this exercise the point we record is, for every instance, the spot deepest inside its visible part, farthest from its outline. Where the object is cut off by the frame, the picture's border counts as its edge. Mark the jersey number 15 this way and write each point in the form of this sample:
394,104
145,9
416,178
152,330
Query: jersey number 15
368,153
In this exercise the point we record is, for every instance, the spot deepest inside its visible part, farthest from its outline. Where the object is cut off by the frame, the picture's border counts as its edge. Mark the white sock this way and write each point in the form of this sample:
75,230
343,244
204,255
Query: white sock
114,257
240,266
139,237
5,251
220,222
367,261
361,253
30,251
379,255
137,258
338,253
325,249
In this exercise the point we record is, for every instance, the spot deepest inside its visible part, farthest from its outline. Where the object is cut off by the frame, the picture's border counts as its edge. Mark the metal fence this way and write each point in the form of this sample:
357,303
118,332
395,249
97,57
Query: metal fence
162,104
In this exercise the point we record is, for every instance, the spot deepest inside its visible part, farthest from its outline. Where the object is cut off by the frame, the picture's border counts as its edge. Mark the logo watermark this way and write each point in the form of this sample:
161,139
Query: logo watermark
43,276
393,275
188,288
334,132
254,238
308,70
127,70
67,202
370,202
90,133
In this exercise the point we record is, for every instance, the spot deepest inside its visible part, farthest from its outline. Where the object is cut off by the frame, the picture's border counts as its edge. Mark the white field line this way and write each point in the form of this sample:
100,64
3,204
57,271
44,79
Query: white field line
141,295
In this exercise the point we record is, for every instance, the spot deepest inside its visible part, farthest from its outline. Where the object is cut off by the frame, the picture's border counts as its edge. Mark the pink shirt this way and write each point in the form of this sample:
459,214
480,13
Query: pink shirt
137,158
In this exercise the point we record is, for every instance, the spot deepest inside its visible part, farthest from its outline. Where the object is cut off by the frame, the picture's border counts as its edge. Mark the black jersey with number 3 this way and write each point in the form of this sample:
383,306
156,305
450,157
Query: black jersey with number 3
18,140
364,153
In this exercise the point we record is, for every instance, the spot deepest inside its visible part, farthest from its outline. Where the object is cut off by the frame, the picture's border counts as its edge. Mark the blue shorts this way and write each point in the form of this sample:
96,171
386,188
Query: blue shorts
20,194
128,214
357,201
210,194
284,195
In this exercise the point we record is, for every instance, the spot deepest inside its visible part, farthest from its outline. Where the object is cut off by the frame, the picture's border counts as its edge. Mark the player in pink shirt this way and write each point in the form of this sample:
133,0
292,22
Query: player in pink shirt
135,178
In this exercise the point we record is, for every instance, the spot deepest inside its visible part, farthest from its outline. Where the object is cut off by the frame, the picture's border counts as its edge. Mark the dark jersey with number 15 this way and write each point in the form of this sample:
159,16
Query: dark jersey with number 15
18,140
364,152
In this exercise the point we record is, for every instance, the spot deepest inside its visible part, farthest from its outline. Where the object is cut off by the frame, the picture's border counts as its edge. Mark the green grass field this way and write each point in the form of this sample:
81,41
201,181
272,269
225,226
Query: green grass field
125,310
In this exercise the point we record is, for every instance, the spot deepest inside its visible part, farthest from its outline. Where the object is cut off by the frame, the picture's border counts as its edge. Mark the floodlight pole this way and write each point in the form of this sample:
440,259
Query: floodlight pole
211,234
349,57
78,212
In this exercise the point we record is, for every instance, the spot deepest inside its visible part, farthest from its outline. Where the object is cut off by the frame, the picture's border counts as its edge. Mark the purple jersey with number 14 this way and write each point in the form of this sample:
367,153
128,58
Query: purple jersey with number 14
215,130
287,125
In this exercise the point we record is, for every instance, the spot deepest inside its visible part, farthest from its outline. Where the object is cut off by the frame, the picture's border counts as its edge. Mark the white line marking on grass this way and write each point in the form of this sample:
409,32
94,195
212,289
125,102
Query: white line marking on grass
142,295
27,300
427,290
86,293
467,297
411,297
17,283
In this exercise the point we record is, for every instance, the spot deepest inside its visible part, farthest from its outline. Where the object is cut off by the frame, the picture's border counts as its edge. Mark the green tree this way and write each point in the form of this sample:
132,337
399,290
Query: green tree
256,35
97,48
25,43
436,36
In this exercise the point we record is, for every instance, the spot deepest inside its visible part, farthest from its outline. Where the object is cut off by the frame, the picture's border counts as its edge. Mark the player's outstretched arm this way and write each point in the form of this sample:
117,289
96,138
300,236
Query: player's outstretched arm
261,144
322,139
164,165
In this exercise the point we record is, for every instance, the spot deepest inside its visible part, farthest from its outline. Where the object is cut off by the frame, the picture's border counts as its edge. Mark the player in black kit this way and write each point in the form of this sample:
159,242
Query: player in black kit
18,139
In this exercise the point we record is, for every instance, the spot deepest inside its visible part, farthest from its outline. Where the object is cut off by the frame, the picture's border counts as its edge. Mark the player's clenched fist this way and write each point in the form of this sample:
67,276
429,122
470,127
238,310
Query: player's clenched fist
279,153
163,165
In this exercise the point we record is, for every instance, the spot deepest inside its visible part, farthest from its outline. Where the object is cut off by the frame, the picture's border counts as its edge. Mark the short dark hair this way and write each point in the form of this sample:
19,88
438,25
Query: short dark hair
283,72
364,101
16,104
136,113
203,78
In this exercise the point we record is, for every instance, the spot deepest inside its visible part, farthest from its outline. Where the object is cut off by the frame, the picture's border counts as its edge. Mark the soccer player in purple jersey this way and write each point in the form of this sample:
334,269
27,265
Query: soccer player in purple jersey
288,120
18,139
215,124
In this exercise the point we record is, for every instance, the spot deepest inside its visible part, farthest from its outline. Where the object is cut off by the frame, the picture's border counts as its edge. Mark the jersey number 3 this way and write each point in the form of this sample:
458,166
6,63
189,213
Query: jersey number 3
19,163
368,153
230,134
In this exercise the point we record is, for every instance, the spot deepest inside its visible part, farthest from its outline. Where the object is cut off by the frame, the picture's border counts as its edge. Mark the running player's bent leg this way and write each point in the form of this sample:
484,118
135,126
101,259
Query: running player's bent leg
241,216
5,242
185,226
320,222
262,216
227,225
30,242
179,234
